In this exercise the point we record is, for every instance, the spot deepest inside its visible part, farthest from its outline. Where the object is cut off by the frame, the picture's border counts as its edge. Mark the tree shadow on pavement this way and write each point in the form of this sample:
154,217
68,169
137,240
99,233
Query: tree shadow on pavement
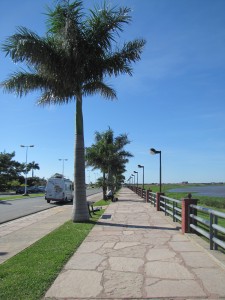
127,226
5,202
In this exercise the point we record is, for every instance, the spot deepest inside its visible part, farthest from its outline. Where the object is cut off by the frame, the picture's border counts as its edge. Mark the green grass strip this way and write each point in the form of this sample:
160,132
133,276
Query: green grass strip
29,274
15,197
102,202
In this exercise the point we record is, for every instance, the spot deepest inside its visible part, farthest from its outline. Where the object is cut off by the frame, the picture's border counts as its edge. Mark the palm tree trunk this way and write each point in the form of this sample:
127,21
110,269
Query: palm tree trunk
104,187
110,179
80,209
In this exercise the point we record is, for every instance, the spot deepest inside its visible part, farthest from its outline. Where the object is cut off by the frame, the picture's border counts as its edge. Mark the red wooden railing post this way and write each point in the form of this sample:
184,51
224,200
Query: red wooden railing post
158,200
186,202
147,195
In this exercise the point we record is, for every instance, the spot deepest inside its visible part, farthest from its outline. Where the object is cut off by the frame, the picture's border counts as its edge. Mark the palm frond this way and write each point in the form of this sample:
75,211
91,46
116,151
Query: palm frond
105,23
120,61
131,51
21,83
59,16
53,98
25,45
95,87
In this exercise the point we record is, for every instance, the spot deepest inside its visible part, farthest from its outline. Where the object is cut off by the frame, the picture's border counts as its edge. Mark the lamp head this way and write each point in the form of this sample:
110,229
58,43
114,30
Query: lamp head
153,151
26,146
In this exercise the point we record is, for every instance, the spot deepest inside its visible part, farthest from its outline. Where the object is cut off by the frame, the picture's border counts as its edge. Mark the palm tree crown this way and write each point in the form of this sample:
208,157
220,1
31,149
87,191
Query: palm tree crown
71,61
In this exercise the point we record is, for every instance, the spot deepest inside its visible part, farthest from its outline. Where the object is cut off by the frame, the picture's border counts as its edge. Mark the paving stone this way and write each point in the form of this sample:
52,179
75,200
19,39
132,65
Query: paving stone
109,245
198,260
155,241
72,284
180,238
135,251
122,245
104,238
160,254
170,270
84,261
87,247
132,237
212,279
125,264
122,284
174,289
184,246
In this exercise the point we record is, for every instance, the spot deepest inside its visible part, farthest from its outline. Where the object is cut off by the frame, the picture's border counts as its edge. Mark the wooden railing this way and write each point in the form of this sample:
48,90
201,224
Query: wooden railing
189,214
207,225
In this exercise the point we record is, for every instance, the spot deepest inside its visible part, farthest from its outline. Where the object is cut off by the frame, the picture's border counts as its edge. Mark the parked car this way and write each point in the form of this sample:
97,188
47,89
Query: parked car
42,189
34,189
30,190
21,190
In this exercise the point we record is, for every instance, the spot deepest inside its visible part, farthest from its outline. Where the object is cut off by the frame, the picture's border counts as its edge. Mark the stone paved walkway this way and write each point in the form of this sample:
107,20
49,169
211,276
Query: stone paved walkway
134,252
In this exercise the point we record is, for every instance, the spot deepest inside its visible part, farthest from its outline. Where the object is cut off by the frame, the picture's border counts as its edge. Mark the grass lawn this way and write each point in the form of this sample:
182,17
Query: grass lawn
29,274
14,197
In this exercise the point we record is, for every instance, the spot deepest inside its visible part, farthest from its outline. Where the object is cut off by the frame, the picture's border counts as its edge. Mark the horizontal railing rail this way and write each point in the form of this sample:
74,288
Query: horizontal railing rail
209,227
171,207
152,198
143,194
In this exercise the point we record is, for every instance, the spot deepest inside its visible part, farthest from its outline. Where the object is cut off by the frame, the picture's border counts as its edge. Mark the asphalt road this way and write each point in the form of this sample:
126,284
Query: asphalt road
14,209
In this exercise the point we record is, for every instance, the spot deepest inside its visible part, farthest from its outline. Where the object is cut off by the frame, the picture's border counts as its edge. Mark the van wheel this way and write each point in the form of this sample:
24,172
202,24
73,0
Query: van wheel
48,201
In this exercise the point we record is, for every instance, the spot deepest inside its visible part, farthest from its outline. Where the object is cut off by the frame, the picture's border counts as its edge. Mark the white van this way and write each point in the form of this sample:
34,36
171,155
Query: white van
59,189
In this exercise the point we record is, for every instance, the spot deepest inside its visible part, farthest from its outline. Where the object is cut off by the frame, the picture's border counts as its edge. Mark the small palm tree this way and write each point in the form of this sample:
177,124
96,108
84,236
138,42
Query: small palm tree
71,61
108,155
33,166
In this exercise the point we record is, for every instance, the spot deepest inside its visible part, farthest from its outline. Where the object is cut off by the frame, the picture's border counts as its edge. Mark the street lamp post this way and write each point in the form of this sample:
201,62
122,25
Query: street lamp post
137,177
133,178
140,166
153,151
23,146
89,177
63,159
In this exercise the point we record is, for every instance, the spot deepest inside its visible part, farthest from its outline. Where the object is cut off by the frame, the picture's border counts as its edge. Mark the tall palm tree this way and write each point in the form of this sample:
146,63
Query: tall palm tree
108,155
71,61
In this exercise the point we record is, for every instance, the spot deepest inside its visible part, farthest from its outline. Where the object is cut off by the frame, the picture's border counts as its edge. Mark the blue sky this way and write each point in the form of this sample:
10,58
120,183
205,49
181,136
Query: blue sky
175,101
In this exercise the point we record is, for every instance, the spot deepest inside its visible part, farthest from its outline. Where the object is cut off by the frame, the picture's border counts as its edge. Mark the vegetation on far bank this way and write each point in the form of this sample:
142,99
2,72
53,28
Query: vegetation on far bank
217,203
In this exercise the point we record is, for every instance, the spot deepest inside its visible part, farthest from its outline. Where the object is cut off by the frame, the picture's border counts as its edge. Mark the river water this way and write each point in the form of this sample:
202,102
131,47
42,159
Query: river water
208,190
